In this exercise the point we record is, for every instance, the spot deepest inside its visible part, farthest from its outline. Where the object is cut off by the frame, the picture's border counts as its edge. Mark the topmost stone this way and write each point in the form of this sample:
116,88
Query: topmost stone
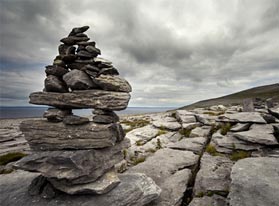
78,30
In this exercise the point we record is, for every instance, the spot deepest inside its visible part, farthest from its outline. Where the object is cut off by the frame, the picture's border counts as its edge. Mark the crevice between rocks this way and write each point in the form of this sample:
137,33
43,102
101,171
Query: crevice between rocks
189,193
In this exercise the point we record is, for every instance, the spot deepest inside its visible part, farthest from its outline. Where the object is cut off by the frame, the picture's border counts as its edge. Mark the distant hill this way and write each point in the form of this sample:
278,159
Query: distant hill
263,92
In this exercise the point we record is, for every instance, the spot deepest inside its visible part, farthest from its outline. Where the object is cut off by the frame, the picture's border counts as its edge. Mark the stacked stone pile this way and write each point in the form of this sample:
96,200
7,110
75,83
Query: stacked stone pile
73,154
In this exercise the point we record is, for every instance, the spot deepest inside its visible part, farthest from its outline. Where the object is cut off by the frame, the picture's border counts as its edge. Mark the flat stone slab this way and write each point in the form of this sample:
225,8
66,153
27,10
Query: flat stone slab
73,166
214,175
142,134
215,200
255,182
167,168
191,144
242,117
45,135
167,125
134,189
200,131
260,134
97,99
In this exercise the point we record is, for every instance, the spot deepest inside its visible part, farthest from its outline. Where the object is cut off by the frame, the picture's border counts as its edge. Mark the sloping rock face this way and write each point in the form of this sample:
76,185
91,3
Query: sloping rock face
255,182
243,117
134,189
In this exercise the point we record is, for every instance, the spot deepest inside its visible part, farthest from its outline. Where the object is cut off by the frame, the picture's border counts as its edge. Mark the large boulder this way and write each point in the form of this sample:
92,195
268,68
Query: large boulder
134,189
73,166
44,135
255,182
97,99
54,84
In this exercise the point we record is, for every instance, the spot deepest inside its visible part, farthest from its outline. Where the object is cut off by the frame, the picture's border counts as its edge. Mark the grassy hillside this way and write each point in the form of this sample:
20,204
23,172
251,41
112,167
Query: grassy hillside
263,92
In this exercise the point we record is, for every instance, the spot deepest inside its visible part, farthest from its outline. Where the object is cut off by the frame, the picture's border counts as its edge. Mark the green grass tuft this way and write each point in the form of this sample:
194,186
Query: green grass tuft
225,128
239,154
11,157
185,132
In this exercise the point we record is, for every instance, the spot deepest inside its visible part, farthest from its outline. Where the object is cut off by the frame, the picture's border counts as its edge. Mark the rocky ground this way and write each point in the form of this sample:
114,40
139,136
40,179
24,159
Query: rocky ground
215,156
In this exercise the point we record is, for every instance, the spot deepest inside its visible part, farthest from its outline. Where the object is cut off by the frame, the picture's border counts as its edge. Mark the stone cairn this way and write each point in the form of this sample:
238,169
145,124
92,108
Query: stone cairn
73,154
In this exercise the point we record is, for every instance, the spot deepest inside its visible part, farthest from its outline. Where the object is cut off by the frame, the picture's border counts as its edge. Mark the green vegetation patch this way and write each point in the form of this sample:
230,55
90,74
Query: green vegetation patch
137,160
239,154
135,124
225,128
161,132
185,132
210,149
11,157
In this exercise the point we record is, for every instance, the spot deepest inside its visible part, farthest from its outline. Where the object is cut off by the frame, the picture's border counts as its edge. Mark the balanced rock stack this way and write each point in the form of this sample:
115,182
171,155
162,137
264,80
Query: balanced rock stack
73,154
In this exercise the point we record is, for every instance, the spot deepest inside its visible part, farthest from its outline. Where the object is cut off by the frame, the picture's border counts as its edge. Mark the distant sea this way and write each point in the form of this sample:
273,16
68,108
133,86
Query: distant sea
24,112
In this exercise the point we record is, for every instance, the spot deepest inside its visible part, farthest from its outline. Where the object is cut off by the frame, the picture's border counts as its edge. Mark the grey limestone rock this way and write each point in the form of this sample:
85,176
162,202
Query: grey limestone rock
113,83
133,190
255,182
56,115
54,84
243,117
44,135
75,120
73,166
78,80
97,99
55,70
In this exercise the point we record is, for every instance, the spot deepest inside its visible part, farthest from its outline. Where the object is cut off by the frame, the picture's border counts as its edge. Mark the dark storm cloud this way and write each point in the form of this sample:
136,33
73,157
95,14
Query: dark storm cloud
172,52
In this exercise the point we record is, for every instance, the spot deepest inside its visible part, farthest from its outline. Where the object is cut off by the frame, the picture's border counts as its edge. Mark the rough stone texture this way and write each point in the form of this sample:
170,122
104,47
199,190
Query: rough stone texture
134,190
80,166
143,134
228,143
240,127
72,40
102,185
200,131
56,115
97,99
255,182
185,116
191,125
260,134
214,175
54,84
78,80
248,105
163,167
77,30
44,135
37,185
75,120
113,83
55,70
173,189
243,117
170,125
105,119
191,144
164,163
215,200
274,112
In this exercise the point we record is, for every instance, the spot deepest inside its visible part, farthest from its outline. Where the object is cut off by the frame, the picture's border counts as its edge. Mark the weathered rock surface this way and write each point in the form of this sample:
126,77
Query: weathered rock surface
191,144
44,135
113,83
102,185
143,134
255,182
274,112
163,167
104,116
185,116
173,189
75,120
214,175
200,131
134,189
170,125
243,117
54,84
55,70
97,99
260,134
78,80
80,166
215,200
56,115
240,127
228,143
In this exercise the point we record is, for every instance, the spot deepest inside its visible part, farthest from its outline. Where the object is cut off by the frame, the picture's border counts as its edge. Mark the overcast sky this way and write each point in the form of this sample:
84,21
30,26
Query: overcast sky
172,52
